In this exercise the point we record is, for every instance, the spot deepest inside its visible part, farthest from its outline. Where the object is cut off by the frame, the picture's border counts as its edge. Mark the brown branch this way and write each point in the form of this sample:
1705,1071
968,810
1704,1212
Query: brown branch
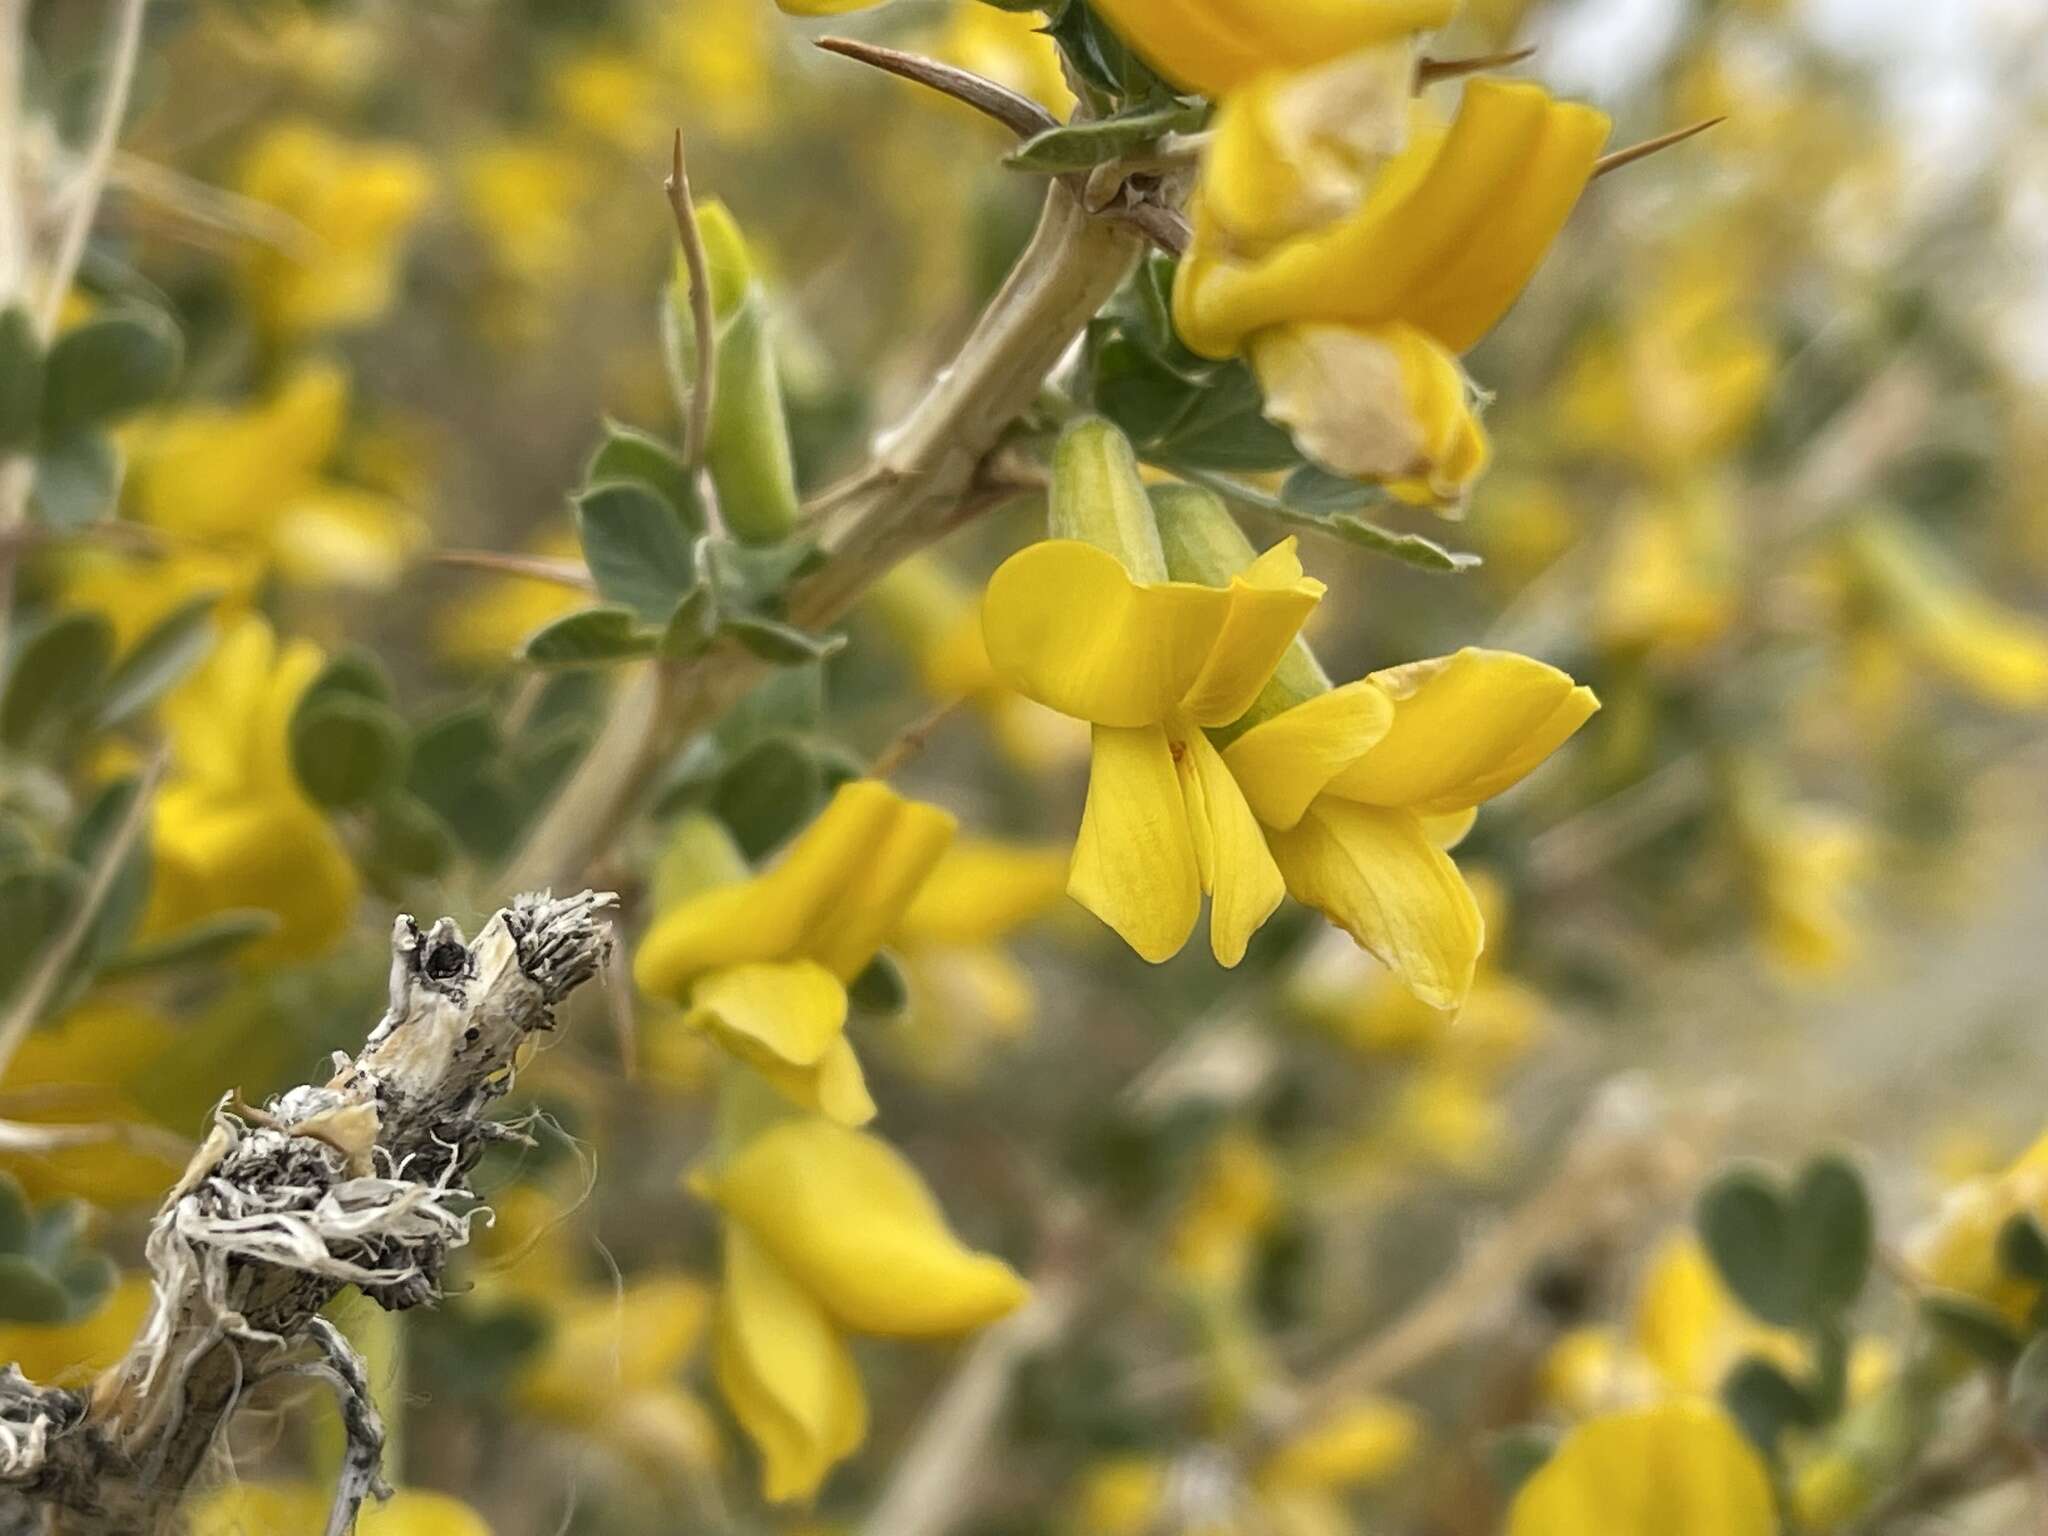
703,322
361,1180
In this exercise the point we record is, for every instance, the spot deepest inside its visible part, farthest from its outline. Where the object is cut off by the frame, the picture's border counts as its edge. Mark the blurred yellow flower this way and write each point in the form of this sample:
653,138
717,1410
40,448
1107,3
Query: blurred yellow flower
240,1509
1234,1203
612,95
1958,1250
762,964
830,1231
1805,864
240,480
71,1354
611,1370
1680,1468
1008,47
722,53
1671,587
355,202
81,1070
232,829
937,622
966,991
525,195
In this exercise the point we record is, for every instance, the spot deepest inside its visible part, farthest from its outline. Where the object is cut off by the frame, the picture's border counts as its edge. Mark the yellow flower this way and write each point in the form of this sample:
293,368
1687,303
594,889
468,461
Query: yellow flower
134,592
965,989
232,829
830,1231
1805,863
240,1508
1354,325
81,1071
524,197
1149,663
611,95
610,1370
237,481
1998,654
1680,1468
356,203
937,621
1235,1201
1361,788
71,1354
1670,589
1216,46
1683,380
762,964
721,52
1958,1250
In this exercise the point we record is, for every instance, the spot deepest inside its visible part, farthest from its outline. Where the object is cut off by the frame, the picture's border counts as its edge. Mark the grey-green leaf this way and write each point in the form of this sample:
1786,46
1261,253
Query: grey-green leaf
21,380
783,644
76,479
1833,1235
591,638
157,661
627,453
636,548
57,672
108,368
1745,1224
346,749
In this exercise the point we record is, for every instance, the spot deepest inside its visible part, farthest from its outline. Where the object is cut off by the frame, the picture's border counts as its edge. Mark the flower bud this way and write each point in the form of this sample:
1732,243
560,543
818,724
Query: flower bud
1099,498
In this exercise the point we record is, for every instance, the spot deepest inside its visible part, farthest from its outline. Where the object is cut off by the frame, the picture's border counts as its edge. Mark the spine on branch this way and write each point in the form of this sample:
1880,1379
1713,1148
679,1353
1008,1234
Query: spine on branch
361,1180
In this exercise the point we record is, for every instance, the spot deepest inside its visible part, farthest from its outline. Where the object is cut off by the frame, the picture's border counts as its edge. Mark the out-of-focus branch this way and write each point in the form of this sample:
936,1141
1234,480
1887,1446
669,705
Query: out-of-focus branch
703,323
923,480
79,199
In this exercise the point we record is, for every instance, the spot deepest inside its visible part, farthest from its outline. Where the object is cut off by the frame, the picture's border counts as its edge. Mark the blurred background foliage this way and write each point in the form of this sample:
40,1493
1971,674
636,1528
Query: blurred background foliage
380,287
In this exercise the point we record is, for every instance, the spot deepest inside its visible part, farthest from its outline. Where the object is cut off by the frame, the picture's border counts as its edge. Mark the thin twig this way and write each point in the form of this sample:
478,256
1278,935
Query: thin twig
82,197
703,320
14,221
210,207
558,571
42,985
1016,112
914,737
1649,147
1429,71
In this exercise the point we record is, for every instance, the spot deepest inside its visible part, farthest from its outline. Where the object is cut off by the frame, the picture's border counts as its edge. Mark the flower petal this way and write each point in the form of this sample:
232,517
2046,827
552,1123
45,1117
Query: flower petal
1269,602
1134,861
1466,727
982,890
1237,871
1375,874
1681,1468
1068,627
854,1225
1282,764
833,898
790,1012
786,1372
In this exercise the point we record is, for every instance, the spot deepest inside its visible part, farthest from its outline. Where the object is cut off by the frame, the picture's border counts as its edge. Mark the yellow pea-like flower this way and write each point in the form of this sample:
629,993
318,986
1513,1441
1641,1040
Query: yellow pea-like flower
762,964
1680,1468
356,203
1094,630
1215,46
830,1231
232,829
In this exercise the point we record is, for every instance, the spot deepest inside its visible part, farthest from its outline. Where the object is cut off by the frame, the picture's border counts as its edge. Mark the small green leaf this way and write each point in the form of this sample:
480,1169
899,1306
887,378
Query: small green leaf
636,548
694,624
87,1279
593,637
627,453
120,911
156,662
106,369
1977,1330
207,942
21,380
1833,1235
1746,1225
406,836
1515,1455
29,1293
782,644
1409,548
355,672
14,1222
76,480
1766,1402
767,793
2023,1249
36,900
1082,145
57,673
346,749
882,988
